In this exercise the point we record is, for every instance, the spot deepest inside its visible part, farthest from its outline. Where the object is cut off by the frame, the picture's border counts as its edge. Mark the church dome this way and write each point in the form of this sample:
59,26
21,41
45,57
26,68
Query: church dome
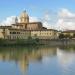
24,18
24,14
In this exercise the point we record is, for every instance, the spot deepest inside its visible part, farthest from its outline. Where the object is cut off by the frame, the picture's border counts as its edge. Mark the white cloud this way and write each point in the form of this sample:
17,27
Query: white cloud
47,16
48,19
65,58
65,13
11,20
8,21
47,25
63,20
66,20
44,20
33,19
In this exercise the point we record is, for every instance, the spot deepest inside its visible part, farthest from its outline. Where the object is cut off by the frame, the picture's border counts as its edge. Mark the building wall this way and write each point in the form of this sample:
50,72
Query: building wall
1,33
28,26
44,34
34,26
24,34
17,34
24,29
70,33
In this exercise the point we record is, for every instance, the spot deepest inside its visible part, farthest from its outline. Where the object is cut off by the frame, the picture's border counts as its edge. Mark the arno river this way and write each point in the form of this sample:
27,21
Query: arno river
39,60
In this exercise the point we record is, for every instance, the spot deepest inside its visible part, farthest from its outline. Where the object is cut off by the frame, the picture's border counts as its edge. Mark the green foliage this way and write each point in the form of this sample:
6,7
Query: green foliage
4,42
73,35
61,36
20,42
32,41
29,41
37,40
67,36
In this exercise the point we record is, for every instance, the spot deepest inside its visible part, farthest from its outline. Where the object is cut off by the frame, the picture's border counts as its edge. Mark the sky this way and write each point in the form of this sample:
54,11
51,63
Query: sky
56,14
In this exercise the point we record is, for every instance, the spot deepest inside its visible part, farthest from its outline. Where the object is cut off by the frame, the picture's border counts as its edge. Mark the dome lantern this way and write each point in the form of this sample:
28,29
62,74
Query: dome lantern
24,18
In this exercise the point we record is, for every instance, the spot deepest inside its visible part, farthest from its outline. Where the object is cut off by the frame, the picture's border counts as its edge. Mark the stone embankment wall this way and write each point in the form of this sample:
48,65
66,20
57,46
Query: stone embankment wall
58,42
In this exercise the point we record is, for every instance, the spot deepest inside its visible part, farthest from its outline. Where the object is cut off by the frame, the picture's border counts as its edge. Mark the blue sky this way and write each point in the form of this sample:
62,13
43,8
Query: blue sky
33,7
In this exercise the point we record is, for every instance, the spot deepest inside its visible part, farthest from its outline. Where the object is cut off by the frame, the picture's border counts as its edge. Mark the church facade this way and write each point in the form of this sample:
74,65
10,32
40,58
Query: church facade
25,29
25,24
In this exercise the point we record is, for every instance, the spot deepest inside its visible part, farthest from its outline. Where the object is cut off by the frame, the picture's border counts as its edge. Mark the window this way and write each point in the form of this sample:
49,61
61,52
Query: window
18,32
50,33
10,32
35,35
13,32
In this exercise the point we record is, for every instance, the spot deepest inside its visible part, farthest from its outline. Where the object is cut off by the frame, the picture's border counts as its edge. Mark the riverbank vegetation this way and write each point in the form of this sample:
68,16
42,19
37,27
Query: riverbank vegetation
29,41
66,36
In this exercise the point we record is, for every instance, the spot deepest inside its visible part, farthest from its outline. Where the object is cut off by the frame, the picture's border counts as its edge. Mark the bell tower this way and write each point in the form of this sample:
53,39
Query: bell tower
16,20
24,18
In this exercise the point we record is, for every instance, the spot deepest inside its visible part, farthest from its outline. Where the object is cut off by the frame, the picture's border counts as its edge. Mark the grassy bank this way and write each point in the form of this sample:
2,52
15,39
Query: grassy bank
19,42
30,41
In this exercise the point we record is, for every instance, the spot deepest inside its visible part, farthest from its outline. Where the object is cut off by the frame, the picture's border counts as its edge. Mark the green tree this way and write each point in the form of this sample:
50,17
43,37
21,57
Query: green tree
61,36
67,36
74,35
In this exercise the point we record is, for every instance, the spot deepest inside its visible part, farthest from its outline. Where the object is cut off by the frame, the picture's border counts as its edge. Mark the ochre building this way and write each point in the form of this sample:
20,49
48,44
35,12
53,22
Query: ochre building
25,29
25,24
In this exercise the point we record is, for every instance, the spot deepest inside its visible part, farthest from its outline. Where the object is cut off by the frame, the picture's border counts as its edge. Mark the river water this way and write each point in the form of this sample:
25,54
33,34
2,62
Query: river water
39,60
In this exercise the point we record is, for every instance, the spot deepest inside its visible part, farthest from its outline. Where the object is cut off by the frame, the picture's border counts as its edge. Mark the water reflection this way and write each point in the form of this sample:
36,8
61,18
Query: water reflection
66,60
65,57
41,60
22,56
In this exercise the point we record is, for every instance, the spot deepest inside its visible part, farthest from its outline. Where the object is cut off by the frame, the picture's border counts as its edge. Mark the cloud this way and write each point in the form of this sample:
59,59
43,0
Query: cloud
65,13
66,20
11,20
63,19
45,19
33,19
65,58
48,19
8,21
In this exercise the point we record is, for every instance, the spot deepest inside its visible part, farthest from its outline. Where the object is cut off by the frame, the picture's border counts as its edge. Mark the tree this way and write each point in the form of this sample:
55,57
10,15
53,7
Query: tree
74,35
61,36
37,39
67,36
